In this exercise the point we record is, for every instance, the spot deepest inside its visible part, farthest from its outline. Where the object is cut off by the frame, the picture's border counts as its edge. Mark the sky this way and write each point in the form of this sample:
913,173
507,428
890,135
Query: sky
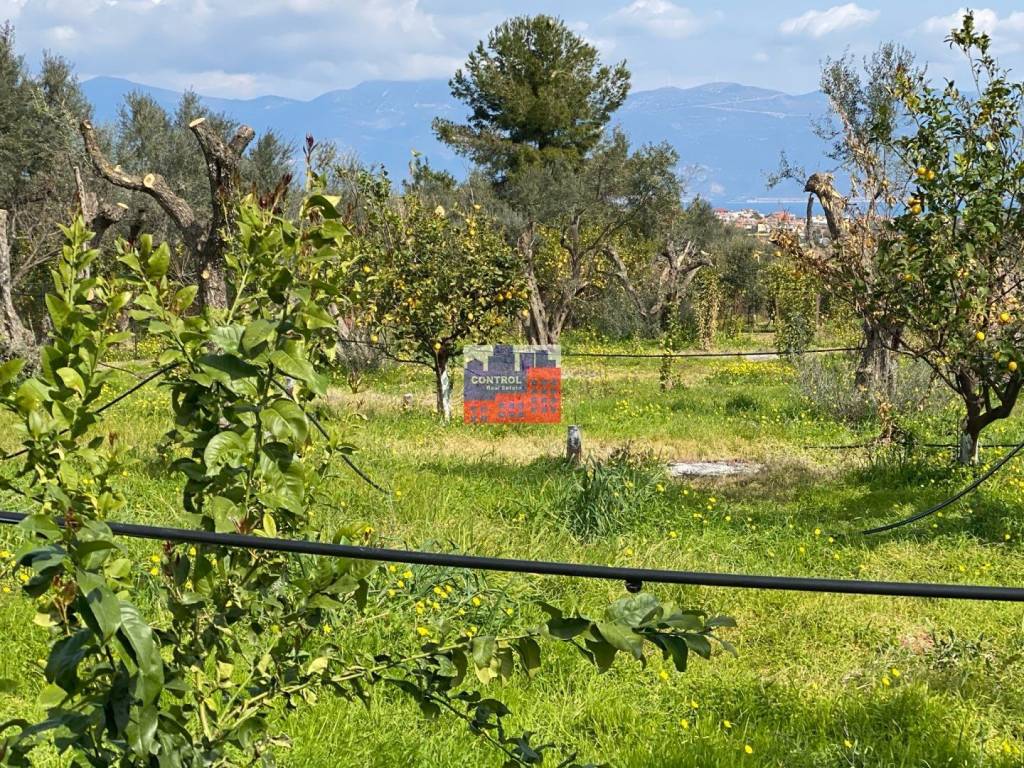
302,48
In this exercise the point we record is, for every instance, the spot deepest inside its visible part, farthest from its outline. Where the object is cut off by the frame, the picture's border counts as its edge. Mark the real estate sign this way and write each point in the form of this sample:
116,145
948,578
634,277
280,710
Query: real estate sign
510,383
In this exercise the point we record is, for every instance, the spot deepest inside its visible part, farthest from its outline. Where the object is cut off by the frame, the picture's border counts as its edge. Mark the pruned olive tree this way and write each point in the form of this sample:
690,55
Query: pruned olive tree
865,118
569,219
201,232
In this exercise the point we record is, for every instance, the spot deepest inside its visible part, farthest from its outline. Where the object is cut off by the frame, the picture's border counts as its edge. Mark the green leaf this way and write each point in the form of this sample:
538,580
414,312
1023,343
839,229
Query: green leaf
101,608
51,696
226,368
622,637
317,665
65,656
635,610
672,647
602,654
566,628
699,645
224,448
10,370
529,653
72,380
326,204
141,730
256,332
482,650
138,640
299,368
294,418
185,296
159,261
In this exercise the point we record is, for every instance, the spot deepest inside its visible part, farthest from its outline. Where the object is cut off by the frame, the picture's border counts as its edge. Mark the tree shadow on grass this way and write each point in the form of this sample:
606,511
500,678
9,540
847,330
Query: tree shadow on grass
909,726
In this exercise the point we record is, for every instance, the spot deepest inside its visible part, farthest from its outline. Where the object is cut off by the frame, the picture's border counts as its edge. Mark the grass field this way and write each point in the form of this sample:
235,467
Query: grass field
819,680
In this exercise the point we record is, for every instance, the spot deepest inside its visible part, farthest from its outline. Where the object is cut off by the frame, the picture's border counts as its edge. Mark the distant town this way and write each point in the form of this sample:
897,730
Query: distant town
762,224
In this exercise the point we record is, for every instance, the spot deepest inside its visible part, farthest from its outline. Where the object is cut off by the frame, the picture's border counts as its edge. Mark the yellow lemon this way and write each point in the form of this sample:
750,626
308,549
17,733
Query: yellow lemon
1012,365
1004,317
980,335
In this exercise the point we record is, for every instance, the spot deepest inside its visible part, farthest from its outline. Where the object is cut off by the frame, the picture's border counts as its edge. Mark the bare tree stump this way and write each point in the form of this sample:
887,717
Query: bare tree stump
574,445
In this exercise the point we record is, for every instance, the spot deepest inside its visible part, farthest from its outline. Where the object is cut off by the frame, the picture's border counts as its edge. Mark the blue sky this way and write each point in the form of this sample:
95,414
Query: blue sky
301,48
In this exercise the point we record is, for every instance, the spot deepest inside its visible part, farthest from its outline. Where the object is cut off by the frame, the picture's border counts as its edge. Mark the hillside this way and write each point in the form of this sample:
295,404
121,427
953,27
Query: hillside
728,135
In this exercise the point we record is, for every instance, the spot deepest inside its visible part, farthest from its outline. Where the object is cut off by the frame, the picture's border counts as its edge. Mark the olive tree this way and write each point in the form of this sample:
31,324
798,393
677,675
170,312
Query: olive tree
864,120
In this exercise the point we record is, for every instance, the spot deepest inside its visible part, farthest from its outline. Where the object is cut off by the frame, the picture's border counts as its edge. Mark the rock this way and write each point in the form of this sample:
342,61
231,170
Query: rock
712,468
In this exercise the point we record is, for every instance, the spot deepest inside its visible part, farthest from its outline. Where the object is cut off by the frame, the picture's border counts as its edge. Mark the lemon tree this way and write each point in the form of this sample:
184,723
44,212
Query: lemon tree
425,280
952,258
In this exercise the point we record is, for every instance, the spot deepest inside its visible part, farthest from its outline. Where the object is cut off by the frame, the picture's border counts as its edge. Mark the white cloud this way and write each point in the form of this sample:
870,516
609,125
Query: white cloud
658,17
985,20
820,23
9,9
62,34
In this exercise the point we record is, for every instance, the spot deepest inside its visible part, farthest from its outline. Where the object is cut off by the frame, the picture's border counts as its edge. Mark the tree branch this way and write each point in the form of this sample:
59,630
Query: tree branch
152,184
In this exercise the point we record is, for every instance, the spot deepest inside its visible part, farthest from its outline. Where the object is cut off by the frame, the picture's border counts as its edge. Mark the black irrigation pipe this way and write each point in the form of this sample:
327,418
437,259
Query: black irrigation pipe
642,355
127,393
951,500
756,353
876,444
634,578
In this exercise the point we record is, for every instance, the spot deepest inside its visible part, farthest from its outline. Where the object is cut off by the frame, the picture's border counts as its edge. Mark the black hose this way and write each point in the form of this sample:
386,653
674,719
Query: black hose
632,577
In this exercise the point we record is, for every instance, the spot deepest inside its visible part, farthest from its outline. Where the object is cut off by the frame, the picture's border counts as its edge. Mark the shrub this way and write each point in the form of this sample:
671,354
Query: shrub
611,494
827,383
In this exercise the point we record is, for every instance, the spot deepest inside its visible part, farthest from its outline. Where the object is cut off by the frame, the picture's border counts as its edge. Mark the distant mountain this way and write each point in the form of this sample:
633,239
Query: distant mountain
728,135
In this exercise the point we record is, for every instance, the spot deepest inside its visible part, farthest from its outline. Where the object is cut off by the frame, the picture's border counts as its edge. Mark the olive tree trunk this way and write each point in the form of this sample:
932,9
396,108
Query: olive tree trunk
16,338
203,236
876,371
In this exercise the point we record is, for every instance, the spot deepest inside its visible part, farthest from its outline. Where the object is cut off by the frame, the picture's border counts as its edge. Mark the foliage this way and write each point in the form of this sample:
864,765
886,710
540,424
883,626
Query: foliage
568,219
607,495
237,635
827,382
104,673
38,149
951,260
536,91
426,281
795,311
707,297
146,138
869,118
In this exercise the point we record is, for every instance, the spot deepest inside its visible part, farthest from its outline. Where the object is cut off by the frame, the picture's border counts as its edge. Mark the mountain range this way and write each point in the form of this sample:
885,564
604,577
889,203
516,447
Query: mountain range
728,136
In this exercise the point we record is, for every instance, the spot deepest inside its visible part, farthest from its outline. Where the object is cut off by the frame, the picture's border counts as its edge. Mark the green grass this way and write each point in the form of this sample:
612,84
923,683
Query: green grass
808,687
